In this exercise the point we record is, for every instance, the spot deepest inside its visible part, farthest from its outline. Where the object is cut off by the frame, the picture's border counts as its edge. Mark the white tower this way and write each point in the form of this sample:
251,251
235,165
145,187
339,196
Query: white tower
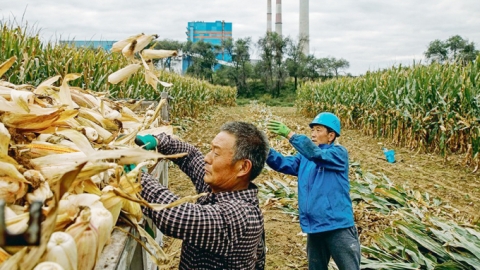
269,16
304,26
278,18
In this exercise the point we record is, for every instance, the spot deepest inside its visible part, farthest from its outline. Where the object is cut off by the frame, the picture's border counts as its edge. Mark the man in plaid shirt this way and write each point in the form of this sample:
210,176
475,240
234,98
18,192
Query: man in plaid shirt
223,230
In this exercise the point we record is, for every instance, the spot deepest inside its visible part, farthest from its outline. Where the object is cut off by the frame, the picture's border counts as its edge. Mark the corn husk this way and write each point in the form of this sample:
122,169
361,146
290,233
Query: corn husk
123,74
102,219
119,45
48,266
13,184
61,249
86,239
158,54
7,64
4,139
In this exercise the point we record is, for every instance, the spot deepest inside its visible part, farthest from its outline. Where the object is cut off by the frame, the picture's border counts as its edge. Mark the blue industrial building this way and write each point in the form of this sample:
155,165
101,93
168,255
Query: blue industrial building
104,44
210,32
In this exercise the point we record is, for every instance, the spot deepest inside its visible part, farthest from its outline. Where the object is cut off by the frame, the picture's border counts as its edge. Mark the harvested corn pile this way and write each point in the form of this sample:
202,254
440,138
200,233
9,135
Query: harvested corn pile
63,148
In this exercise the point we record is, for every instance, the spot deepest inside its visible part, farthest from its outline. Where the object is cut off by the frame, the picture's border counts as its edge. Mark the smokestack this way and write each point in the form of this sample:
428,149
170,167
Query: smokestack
278,20
304,26
269,16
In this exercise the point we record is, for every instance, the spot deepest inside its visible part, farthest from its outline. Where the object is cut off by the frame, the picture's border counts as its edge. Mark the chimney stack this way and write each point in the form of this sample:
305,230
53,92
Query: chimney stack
304,26
269,16
278,20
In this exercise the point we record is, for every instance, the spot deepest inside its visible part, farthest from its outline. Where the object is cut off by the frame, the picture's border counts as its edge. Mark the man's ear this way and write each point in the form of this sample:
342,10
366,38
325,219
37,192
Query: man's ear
245,167
331,137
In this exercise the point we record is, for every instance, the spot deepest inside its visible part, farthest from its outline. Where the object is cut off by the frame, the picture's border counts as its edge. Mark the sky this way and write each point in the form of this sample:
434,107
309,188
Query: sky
369,34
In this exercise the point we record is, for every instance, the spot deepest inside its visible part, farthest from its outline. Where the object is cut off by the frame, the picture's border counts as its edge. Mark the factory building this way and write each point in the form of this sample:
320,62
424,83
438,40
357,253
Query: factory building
210,32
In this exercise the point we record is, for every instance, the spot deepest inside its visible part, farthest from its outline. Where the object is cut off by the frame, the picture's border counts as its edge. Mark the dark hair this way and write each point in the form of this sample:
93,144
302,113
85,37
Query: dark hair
251,143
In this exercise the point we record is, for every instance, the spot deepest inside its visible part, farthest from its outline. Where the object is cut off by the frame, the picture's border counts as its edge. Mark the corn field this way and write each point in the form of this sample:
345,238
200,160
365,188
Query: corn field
432,108
38,61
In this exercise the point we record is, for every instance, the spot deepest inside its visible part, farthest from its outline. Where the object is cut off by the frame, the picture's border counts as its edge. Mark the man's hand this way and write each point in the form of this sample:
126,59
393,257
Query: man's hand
149,141
278,128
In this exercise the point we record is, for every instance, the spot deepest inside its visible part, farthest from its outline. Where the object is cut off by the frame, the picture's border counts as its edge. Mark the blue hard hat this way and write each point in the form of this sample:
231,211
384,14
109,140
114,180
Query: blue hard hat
329,120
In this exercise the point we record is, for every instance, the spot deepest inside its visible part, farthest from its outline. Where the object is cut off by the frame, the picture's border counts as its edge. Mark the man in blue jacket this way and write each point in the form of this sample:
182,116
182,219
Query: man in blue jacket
326,213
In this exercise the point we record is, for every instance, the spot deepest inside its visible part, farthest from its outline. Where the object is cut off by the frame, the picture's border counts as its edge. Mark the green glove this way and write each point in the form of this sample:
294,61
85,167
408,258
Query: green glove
129,167
278,128
149,141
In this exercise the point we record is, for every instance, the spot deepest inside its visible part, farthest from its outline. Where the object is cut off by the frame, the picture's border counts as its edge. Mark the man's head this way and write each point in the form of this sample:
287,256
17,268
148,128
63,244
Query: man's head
237,157
325,128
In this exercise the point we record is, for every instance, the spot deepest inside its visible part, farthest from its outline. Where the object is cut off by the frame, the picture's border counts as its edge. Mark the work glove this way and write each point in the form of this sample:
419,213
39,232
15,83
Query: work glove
278,128
149,141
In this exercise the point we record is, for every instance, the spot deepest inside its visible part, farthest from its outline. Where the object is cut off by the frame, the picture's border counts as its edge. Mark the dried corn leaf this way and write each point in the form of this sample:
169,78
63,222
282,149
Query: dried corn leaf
7,64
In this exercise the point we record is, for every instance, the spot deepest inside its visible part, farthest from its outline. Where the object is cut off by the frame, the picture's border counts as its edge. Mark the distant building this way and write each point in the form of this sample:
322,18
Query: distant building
104,44
210,32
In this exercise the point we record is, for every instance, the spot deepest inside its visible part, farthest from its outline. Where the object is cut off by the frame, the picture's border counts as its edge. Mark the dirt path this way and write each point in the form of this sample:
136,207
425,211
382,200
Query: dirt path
286,245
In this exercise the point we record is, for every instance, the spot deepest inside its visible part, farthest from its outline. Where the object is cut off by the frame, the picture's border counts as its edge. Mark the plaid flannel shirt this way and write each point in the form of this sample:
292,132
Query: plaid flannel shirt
221,231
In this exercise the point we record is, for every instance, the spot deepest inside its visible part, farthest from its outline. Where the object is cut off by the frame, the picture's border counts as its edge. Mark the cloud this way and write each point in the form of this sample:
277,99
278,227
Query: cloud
370,34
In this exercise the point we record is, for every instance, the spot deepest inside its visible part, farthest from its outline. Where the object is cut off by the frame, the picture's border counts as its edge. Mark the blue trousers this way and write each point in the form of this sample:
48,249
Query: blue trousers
342,245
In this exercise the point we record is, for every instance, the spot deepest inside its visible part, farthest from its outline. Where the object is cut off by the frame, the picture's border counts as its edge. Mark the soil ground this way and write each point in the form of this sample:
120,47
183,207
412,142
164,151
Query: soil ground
448,180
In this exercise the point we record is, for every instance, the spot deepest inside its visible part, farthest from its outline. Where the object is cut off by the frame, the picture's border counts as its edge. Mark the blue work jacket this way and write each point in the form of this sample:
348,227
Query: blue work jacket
323,186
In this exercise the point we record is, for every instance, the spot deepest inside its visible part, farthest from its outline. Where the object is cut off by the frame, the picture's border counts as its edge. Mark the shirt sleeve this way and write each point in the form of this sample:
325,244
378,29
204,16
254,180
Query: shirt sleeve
193,165
284,164
210,227
332,158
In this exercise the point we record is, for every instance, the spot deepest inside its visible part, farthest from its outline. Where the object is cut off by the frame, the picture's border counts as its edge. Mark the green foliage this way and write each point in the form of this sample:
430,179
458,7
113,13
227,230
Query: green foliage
433,108
454,48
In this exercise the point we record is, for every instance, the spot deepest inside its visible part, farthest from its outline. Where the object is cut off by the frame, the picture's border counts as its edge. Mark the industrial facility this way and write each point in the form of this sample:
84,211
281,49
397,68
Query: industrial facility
210,32
304,28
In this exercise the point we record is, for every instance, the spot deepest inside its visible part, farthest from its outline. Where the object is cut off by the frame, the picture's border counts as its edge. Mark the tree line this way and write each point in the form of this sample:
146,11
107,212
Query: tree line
280,58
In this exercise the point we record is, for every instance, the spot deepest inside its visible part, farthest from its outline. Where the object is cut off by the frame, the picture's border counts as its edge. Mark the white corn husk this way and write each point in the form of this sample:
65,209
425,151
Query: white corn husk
90,133
64,94
86,239
4,139
13,184
48,266
143,41
80,140
16,223
119,45
22,98
42,191
102,219
123,73
61,249
158,54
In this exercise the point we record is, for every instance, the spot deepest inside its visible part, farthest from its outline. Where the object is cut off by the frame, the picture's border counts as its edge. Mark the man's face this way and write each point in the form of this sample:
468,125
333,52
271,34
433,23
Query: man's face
220,173
320,135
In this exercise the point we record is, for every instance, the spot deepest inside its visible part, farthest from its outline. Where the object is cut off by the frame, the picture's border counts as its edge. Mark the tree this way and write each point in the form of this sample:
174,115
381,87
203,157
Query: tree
455,48
437,51
297,60
272,68
455,44
203,60
337,65
242,69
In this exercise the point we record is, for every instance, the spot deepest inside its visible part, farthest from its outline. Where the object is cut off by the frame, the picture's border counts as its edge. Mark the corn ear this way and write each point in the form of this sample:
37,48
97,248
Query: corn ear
61,249
123,73
158,54
119,45
4,139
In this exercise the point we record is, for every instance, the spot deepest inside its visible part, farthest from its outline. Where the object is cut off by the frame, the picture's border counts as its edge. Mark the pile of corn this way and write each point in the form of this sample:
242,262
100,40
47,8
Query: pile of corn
65,147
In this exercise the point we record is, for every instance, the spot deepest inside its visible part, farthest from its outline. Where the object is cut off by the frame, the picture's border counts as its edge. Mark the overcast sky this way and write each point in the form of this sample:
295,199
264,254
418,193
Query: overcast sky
370,34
